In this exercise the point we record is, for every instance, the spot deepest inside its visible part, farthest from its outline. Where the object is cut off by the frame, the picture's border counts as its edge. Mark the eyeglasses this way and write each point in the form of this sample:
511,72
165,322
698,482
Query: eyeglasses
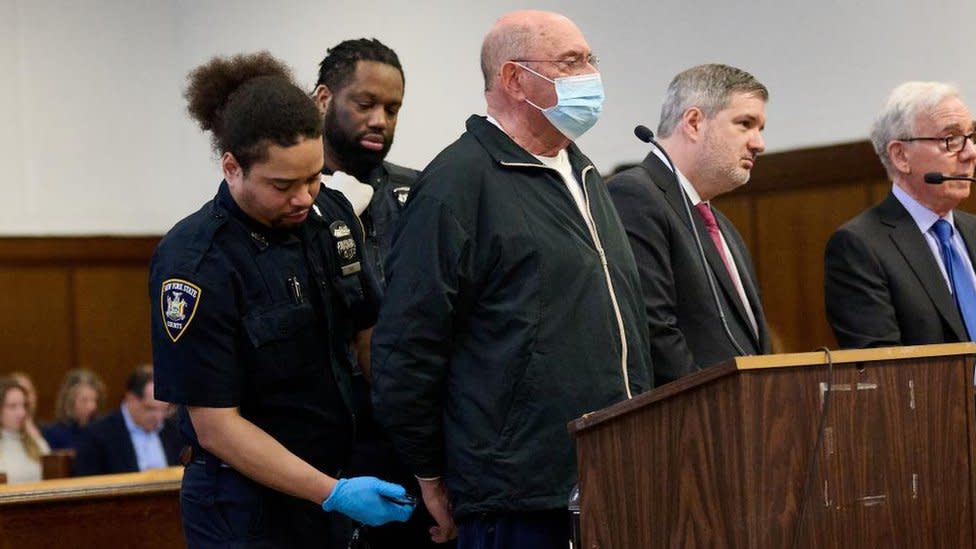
953,143
571,63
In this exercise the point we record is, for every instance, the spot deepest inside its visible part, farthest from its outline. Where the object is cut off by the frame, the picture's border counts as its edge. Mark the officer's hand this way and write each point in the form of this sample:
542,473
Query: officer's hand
369,500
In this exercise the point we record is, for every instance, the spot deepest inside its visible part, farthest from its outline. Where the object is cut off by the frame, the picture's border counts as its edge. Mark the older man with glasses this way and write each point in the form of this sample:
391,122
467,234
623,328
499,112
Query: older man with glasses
901,273
513,303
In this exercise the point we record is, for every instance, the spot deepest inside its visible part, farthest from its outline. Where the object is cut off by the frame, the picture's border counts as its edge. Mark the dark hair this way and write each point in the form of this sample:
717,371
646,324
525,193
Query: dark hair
248,102
340,61
138,379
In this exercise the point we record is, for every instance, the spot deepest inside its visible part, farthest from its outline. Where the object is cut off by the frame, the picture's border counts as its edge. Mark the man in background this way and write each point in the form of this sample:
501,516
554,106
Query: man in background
700,311
901,272
135,437
359,92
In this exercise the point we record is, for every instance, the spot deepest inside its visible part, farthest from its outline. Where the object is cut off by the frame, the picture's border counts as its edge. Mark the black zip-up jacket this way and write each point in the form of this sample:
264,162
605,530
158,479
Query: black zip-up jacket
504,320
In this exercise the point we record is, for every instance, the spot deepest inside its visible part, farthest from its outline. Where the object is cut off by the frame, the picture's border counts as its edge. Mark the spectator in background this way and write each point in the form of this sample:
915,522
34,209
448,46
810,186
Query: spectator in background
136,437
30,427
81,396
20,453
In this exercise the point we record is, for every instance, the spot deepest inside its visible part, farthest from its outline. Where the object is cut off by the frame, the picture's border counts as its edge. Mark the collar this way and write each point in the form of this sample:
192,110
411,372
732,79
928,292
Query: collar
260,234
686,185
922,216
134,429
504,150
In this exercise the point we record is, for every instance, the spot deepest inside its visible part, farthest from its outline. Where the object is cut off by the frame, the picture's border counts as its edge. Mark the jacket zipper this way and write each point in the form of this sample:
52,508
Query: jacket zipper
591,225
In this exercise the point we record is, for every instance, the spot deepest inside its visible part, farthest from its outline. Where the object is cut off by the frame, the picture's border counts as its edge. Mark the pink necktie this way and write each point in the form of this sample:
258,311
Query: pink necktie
709,218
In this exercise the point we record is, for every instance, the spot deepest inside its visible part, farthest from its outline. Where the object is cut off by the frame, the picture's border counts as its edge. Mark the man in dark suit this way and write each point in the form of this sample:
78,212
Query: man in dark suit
136,437
697,316
901,273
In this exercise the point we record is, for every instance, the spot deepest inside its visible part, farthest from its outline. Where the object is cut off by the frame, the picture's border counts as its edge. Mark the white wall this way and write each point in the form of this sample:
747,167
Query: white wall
94,138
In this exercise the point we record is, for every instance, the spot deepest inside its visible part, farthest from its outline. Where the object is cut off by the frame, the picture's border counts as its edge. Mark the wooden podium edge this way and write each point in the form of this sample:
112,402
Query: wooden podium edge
847,356
147,482
761,362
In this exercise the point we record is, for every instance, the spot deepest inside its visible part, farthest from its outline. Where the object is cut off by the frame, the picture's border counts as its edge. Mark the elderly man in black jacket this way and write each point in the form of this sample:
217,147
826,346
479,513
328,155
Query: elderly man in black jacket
514,302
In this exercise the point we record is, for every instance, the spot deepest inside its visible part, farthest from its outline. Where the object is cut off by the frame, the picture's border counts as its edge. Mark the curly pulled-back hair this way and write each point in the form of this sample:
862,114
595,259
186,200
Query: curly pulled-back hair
340,61
249,102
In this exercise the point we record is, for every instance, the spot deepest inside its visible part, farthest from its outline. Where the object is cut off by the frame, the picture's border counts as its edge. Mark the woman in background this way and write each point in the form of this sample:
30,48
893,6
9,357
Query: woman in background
81,396
20,453
25,381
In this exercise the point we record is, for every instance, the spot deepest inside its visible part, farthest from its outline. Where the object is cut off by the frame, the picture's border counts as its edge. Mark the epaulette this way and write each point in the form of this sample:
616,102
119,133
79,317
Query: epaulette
200,237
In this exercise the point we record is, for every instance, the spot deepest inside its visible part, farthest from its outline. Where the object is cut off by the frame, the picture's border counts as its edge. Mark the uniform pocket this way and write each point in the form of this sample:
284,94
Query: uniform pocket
283,337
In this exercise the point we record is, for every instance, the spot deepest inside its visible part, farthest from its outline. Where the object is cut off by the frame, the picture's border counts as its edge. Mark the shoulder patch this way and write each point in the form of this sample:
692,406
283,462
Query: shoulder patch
178,302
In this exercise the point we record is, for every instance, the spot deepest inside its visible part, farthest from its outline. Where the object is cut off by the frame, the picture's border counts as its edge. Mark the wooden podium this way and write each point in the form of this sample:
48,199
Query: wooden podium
728,457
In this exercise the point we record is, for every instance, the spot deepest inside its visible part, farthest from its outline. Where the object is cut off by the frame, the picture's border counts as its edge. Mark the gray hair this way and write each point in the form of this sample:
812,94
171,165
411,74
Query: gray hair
897,118
503,44
708,87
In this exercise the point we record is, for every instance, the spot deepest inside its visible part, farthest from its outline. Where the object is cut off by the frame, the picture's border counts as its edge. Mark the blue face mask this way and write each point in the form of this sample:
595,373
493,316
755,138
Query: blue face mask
579,102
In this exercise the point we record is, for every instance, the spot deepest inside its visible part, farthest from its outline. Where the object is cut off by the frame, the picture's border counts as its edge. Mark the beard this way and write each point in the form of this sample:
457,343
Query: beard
721,163
355,159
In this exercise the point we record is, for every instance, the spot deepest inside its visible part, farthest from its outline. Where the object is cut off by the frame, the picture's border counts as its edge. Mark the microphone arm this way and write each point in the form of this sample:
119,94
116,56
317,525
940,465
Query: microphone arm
936,178
647,136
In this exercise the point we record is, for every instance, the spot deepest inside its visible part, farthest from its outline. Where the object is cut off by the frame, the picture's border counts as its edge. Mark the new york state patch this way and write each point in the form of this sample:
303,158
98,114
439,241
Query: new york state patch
178,302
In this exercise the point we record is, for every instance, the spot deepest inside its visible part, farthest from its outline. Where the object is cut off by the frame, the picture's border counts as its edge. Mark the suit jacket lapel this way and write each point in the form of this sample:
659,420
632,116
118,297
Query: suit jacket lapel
917,254
667,180
748,284
127,451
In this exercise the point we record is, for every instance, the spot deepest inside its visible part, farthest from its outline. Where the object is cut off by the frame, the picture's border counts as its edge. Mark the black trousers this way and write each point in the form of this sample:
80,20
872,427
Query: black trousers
516,530
222,508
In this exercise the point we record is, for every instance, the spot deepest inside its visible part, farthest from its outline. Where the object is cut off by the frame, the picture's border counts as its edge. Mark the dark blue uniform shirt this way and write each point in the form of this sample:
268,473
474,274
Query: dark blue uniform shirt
262,319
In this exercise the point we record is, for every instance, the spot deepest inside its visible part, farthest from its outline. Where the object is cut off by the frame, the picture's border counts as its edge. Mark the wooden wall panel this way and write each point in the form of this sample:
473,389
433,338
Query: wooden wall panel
793,231
70,302
112,311
36,326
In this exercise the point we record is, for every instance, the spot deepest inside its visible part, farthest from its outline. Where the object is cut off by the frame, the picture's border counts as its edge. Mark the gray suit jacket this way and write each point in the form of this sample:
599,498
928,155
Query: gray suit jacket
685,329
882,285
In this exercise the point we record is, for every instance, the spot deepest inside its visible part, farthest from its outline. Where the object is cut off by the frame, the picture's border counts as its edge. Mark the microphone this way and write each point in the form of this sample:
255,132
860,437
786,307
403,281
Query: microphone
647,136
644,133
935,178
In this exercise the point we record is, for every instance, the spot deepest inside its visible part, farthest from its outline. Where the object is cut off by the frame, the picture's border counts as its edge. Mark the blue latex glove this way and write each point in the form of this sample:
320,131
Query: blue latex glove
369,500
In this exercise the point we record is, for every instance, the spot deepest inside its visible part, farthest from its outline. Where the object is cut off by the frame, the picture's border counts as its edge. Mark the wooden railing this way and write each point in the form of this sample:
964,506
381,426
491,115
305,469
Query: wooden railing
132,510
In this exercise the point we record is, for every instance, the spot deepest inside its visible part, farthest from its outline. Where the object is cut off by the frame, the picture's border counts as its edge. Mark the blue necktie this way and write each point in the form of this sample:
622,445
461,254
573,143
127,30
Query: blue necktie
959,278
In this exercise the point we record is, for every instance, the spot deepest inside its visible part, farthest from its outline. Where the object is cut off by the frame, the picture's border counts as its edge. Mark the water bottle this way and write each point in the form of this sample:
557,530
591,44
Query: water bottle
574,518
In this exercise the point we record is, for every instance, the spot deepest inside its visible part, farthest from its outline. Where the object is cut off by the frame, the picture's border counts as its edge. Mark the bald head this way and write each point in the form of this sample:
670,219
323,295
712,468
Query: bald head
521,35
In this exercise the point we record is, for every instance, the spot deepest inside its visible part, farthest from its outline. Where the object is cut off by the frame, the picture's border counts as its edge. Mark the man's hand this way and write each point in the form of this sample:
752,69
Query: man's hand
435,498
369,500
